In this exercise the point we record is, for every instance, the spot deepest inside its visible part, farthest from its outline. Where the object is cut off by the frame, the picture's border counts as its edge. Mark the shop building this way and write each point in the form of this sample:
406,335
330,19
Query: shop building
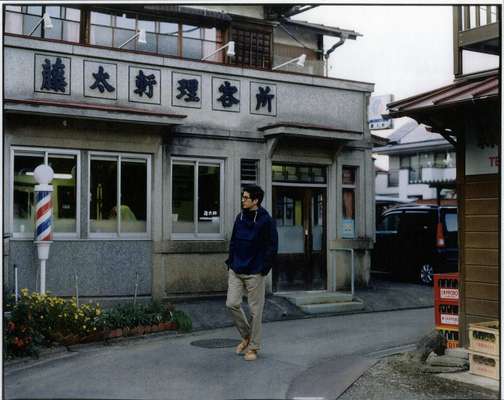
467,114
150,147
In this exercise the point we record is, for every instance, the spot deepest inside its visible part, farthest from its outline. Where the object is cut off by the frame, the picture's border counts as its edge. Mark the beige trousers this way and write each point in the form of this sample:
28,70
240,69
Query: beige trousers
254,287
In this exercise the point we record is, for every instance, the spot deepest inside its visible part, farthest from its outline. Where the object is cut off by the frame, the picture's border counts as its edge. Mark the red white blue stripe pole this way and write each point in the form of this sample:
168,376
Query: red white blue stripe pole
43,210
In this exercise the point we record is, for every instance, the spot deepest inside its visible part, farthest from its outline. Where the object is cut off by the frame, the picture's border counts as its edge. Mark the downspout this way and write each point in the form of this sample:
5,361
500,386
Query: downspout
342,40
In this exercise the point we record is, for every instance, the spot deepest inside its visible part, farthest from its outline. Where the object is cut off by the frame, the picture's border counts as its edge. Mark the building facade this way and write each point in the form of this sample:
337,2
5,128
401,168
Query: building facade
151,146
421,166
468,114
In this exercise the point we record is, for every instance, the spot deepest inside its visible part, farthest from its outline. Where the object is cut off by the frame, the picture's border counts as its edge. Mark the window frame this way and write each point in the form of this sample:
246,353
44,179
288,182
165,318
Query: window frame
178,35
196,162
356,189
118,235
47,151
62,17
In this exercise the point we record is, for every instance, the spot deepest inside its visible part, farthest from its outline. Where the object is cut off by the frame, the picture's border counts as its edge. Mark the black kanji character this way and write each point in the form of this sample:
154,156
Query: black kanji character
53,76
227,99
189,88
145,82
263,98
101,81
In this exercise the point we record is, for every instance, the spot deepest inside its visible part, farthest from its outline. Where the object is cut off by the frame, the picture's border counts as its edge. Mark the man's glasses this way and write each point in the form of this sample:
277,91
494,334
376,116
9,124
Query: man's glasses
245,197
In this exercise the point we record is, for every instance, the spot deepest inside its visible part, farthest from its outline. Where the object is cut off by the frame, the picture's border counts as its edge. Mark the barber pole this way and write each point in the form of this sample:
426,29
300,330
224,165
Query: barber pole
43,210
44,216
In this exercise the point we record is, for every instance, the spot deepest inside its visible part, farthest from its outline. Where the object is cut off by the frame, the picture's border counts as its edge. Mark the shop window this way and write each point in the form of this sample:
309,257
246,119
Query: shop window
64,196
197,198
348,202
22,20
119,195
252,48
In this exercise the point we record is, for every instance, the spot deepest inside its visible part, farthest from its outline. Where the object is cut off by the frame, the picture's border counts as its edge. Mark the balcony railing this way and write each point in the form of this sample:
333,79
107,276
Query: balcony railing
475,28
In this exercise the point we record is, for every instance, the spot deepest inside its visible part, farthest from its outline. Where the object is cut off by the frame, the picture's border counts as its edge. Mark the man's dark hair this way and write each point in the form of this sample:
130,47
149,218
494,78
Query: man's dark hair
255,192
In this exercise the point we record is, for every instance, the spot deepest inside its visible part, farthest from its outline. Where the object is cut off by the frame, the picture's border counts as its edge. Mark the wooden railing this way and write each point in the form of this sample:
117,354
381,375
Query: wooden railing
475,28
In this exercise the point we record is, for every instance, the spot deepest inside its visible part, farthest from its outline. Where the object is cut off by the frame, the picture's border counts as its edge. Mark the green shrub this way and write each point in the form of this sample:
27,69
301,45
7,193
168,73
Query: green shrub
42,319
182,320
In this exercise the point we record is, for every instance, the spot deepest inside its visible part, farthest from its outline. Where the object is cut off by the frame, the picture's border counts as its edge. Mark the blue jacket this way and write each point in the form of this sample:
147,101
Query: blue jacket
254,243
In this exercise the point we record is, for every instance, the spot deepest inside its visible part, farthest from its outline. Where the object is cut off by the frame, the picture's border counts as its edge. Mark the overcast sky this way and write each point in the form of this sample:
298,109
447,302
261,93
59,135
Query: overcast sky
404,50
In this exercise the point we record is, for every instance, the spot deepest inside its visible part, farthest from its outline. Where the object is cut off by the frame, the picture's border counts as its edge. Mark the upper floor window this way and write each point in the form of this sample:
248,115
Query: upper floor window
412,164
162,37
65,195
22,20
393,178
251,48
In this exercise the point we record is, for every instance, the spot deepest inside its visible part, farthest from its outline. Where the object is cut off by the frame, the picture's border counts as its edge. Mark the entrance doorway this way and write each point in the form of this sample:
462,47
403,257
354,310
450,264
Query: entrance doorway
300,215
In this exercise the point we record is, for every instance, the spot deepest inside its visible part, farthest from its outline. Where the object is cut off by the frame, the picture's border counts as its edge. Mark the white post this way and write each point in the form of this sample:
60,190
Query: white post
16,287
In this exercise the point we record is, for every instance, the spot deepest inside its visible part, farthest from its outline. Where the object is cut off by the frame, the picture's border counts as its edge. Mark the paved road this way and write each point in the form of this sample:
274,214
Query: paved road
313,357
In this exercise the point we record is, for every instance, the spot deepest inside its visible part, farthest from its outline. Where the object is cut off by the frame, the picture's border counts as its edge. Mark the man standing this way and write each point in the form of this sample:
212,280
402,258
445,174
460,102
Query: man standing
253,246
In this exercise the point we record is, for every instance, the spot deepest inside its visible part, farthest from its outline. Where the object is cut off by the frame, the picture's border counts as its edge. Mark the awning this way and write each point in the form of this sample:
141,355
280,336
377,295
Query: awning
300,130
469,88
90,111
413,147
446,109
323,29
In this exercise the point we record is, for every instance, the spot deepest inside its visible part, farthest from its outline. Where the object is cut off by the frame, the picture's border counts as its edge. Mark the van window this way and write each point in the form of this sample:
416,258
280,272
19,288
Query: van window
417,221
451,222
389,223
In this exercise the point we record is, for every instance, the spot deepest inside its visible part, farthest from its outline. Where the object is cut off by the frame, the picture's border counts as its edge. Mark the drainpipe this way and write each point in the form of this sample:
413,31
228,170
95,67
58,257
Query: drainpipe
342,40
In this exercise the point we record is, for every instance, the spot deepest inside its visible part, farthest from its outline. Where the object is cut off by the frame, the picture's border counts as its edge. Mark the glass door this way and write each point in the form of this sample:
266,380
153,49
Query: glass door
300,219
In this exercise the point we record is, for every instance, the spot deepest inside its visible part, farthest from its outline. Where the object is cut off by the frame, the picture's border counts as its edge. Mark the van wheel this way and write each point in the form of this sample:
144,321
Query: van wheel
426,273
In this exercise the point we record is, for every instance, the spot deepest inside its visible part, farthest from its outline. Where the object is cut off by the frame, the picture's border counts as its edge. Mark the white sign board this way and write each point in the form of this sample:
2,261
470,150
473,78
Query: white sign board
377,107
480,159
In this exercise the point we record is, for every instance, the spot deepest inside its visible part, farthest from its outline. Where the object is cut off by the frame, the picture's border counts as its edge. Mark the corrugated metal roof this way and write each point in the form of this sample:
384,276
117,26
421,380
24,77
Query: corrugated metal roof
465,89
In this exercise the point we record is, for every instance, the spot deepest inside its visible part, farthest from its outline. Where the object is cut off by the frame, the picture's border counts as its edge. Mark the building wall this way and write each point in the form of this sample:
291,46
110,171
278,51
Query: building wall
104,267
406,190
169,267
479,264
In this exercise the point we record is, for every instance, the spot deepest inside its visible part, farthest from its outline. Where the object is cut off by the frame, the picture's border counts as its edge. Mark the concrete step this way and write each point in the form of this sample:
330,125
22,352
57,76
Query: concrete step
340,307
315,297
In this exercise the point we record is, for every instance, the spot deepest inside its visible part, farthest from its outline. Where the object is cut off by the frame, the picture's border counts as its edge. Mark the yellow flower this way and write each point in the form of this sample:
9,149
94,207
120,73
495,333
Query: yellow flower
84,327
94,329
98,312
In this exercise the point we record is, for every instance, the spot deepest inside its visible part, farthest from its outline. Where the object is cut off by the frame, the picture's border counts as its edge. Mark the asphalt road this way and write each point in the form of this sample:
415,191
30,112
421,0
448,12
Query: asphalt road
317,357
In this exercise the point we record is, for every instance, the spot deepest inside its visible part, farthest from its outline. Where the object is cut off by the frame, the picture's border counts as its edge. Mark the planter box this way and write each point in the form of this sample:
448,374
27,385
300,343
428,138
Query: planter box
95,337
167,326
484,365
68,340
484,337
115,333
